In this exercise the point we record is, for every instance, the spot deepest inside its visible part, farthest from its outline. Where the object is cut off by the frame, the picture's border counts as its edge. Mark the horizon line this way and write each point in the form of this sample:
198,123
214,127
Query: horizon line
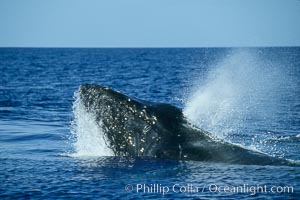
145,47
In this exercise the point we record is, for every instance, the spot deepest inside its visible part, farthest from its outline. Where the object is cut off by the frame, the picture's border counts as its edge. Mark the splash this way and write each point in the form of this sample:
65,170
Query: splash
87,136
239,97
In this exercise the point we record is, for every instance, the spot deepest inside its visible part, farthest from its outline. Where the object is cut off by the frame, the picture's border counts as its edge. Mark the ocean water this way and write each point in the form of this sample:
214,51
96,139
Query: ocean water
51,149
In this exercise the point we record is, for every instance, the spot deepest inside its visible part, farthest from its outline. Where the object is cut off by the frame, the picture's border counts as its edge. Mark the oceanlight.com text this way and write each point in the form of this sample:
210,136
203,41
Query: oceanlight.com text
211,188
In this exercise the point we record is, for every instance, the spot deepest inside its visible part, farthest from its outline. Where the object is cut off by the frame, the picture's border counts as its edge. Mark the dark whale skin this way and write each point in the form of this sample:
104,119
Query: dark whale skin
143,129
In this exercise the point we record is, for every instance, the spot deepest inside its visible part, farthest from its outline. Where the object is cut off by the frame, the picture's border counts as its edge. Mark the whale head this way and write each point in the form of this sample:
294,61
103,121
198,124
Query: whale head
134,127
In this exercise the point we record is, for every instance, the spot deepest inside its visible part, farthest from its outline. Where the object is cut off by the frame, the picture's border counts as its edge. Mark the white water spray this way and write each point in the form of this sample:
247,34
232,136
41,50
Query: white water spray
88,137
240,92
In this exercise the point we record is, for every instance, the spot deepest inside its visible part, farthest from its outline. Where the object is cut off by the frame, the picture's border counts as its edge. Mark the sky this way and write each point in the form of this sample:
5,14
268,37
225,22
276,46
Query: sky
149,23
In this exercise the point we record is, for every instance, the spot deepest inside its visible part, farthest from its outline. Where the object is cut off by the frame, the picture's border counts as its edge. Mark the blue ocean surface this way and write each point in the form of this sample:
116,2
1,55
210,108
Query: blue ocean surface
50,149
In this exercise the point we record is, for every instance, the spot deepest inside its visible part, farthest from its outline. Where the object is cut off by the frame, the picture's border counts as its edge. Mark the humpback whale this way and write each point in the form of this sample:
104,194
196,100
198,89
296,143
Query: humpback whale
143,129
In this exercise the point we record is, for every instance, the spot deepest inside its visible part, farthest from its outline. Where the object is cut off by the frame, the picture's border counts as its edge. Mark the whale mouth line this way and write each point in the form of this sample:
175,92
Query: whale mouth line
131,127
